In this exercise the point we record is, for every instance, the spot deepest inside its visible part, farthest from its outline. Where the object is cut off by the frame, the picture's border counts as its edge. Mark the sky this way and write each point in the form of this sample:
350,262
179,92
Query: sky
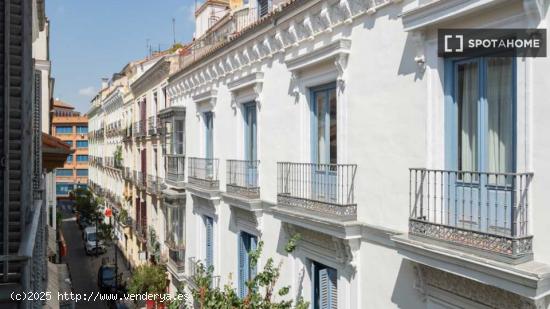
92,39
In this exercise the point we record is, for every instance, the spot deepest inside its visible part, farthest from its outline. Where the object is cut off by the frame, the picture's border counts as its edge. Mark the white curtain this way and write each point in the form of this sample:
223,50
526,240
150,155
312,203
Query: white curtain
469,110
500,115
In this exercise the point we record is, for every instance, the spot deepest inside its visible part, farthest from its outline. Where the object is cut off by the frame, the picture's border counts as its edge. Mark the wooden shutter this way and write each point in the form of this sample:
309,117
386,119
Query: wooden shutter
243,265
328,298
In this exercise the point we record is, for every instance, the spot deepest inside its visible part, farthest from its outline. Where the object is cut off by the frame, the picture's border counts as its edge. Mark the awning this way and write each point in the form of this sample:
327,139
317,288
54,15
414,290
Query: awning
54,152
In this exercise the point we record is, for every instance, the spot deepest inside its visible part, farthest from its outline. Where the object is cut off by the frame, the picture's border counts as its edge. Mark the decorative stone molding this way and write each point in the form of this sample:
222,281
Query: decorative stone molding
254,80
472,290
152,76
337,49
207,98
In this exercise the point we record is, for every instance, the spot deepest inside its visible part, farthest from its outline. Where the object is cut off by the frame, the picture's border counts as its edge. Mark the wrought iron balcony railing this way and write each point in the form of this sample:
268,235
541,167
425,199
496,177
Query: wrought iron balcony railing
140,128
141,180
127,174
242,178
176,260
154,184
196,267
175,172
204,173
326,188
484,211
152,125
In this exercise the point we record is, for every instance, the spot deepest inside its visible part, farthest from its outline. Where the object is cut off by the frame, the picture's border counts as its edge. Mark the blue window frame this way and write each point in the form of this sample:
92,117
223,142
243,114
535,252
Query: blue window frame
64,172
64,188
209,235
69,158
480,138
82,172
82,158
82,129
70,143
250,127
247,271
325,286
81,144
64,129
209,134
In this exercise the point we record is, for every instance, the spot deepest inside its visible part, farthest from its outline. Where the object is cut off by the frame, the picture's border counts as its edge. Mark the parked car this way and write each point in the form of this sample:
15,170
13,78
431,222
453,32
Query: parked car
91,243
106,279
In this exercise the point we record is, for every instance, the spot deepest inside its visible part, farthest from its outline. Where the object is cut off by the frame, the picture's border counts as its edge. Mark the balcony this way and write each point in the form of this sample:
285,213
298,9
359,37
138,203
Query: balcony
128,132
140,228
203,173
485,212
322,188
152,125
176,263
154,184
196,268
242,178
141,180
127,174
140,128
175,173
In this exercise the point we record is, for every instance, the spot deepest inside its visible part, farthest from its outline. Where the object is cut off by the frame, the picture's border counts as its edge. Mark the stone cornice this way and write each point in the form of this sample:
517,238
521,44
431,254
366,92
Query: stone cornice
152,76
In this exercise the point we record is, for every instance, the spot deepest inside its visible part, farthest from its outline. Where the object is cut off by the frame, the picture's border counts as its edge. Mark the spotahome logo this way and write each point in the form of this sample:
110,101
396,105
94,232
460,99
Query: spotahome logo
505,42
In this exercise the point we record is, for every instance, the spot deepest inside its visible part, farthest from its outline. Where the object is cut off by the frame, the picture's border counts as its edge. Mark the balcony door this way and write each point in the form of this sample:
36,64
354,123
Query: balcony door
209,144
250,144
143,114
324,142
484,147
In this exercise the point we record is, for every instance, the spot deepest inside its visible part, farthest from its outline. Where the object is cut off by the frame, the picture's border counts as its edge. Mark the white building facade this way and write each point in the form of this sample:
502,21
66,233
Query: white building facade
414,181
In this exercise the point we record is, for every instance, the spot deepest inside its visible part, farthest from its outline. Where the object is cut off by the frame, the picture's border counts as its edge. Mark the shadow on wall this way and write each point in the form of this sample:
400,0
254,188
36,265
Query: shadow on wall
409,64
405,294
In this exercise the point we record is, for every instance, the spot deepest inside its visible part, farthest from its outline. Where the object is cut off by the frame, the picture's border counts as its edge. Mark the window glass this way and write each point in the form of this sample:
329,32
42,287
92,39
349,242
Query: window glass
82,129
82,158
63,129
82,172
64,172
81,144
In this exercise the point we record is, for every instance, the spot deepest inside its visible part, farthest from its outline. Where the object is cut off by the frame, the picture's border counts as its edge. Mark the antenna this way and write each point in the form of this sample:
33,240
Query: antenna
174,29
148,46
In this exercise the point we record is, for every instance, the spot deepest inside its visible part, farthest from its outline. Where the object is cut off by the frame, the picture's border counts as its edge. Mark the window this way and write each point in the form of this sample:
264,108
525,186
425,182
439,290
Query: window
263,7
324,124
63,129
209,235
250,131
81,144
325,288
63,188
82,186
82,172
247,243
179,137
485,114
70,143
69,158
209,136
82,129
81,158
64,172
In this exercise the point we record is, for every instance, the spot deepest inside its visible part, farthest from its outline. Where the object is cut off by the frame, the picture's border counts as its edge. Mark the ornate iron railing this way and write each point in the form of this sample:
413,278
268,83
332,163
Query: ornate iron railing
152,125
242,178
139,128
175,169
486,211
196,267
327,188
204,173
176,260
141,180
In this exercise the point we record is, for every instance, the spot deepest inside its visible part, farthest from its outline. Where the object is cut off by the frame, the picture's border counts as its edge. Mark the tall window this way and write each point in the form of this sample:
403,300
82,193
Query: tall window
209,246
209,134
325,287
324,124
484,96
64,172
69,158
178,137
82,129
81,144
63,129
247,271
250,132
81,158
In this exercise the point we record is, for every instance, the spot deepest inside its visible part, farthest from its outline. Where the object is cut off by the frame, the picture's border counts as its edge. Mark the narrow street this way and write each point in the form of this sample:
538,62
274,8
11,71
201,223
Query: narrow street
83,268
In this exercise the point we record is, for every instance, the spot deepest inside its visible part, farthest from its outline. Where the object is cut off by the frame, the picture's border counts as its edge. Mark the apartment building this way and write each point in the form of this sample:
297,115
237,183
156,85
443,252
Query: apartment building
28,154
72,128
414,180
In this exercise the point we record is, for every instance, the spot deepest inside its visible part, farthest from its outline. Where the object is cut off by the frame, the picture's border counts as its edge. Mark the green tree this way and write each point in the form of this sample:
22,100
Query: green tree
118,157
149,278
261,288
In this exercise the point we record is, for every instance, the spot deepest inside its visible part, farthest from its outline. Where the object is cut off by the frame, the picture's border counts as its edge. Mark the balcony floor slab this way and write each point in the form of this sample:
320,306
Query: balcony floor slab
529,279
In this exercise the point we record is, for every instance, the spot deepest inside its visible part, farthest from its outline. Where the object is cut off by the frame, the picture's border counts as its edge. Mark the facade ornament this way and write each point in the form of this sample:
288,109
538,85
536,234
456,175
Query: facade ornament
279,39
268,46
346,11
325,17
294,86
418,38
341,63
308,25
419,283
293,33
257,88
